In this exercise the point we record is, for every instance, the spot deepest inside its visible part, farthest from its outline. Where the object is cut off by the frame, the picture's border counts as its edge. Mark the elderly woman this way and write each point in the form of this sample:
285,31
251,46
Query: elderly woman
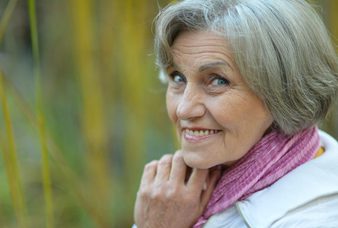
248,80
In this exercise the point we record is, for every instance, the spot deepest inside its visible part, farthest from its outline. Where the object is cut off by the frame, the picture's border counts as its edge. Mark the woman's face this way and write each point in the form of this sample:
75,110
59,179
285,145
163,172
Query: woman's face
217,117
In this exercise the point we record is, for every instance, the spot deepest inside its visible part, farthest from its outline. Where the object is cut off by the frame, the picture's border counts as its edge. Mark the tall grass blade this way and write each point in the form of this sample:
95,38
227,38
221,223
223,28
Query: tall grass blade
93,118
71,180
6,17
134,86
46,179
333,20
11,161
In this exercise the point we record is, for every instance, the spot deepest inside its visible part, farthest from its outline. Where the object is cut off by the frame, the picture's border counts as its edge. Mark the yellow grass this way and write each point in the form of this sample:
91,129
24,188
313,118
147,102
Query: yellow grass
93,119
11,161
6,17
333,20
70,180
46,179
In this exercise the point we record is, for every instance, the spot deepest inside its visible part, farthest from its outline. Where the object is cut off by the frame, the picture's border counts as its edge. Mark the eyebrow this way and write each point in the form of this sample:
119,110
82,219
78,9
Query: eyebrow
205,66
214,64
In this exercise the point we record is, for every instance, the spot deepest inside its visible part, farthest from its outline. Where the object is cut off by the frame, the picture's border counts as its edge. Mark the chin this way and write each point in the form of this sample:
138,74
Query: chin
196,162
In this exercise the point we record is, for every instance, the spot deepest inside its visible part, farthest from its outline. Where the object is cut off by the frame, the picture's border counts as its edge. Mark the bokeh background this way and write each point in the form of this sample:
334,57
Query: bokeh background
82,109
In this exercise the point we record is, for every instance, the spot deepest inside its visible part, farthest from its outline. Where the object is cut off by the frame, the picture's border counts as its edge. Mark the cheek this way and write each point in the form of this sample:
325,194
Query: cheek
223,111
237,114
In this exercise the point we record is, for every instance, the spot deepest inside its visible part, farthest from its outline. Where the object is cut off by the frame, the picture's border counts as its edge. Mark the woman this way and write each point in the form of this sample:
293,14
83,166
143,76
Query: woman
248,80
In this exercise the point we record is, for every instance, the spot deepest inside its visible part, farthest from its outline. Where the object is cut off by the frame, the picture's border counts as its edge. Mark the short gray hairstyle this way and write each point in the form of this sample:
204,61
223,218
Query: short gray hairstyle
281,47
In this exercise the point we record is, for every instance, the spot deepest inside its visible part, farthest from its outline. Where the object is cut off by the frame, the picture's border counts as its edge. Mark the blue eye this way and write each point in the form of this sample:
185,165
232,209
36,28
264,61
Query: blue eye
177,77
219,81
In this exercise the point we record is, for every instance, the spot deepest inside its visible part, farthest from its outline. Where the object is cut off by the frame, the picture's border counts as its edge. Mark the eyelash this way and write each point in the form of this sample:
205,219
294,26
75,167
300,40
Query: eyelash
177,79
218,77
173,76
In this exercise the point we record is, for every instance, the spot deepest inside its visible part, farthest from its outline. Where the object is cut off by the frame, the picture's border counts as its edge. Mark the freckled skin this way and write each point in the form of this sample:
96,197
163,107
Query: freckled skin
234,109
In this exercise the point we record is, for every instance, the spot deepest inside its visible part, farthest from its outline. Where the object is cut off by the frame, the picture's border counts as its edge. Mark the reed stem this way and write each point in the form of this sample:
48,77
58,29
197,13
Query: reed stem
46,177
6,17
93,111
11,161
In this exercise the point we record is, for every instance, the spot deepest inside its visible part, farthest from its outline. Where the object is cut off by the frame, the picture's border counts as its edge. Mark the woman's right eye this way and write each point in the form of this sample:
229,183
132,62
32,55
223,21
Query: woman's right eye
177,78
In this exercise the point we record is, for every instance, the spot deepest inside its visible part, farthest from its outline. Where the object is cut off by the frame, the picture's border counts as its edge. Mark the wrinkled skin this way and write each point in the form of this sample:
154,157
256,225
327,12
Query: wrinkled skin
218,118
169,197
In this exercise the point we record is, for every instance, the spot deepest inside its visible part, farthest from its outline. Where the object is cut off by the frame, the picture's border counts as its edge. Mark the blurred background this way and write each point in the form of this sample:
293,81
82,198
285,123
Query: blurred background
82,109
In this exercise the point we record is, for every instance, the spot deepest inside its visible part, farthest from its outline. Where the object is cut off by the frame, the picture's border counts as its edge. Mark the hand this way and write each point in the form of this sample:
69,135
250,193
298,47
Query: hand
168,198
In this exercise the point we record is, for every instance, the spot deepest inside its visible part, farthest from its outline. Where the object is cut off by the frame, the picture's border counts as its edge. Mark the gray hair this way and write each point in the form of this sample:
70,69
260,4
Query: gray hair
281,48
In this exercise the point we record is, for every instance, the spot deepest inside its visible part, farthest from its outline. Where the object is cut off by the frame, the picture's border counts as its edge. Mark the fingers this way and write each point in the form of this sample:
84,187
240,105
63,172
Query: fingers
149,173
160,171
163,168
179,168
173,168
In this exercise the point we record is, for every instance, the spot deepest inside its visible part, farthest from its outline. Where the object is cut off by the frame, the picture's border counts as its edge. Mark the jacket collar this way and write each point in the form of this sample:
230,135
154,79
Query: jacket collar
312,180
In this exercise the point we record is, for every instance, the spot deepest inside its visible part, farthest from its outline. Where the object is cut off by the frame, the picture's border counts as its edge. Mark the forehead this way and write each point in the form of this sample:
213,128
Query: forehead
200,46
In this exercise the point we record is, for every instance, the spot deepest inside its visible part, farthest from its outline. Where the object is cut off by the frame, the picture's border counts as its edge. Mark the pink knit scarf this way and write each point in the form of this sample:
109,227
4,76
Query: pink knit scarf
270,159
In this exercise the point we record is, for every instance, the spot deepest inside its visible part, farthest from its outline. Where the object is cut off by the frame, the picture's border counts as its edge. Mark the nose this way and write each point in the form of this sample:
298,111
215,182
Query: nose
190,104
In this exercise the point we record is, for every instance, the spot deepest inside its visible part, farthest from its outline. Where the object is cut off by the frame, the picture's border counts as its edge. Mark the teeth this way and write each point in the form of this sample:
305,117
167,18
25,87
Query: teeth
200,132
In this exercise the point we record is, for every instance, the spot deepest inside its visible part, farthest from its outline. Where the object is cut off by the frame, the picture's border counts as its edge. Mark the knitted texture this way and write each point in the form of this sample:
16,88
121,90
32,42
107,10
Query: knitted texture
267,161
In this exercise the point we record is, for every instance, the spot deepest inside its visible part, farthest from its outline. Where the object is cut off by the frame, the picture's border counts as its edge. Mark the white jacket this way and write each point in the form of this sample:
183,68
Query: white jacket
307,197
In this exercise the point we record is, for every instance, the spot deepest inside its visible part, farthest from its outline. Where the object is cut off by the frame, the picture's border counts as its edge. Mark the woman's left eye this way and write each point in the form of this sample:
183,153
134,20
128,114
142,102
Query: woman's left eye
219,81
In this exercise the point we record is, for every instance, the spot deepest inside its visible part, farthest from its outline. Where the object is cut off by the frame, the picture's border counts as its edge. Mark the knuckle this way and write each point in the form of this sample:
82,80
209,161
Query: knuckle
164,193
173,193
144,193
166,159
157,195
150,165
178,157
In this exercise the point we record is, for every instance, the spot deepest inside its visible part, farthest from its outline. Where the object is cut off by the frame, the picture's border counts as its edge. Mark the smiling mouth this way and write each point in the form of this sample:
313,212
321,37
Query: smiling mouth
196,135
